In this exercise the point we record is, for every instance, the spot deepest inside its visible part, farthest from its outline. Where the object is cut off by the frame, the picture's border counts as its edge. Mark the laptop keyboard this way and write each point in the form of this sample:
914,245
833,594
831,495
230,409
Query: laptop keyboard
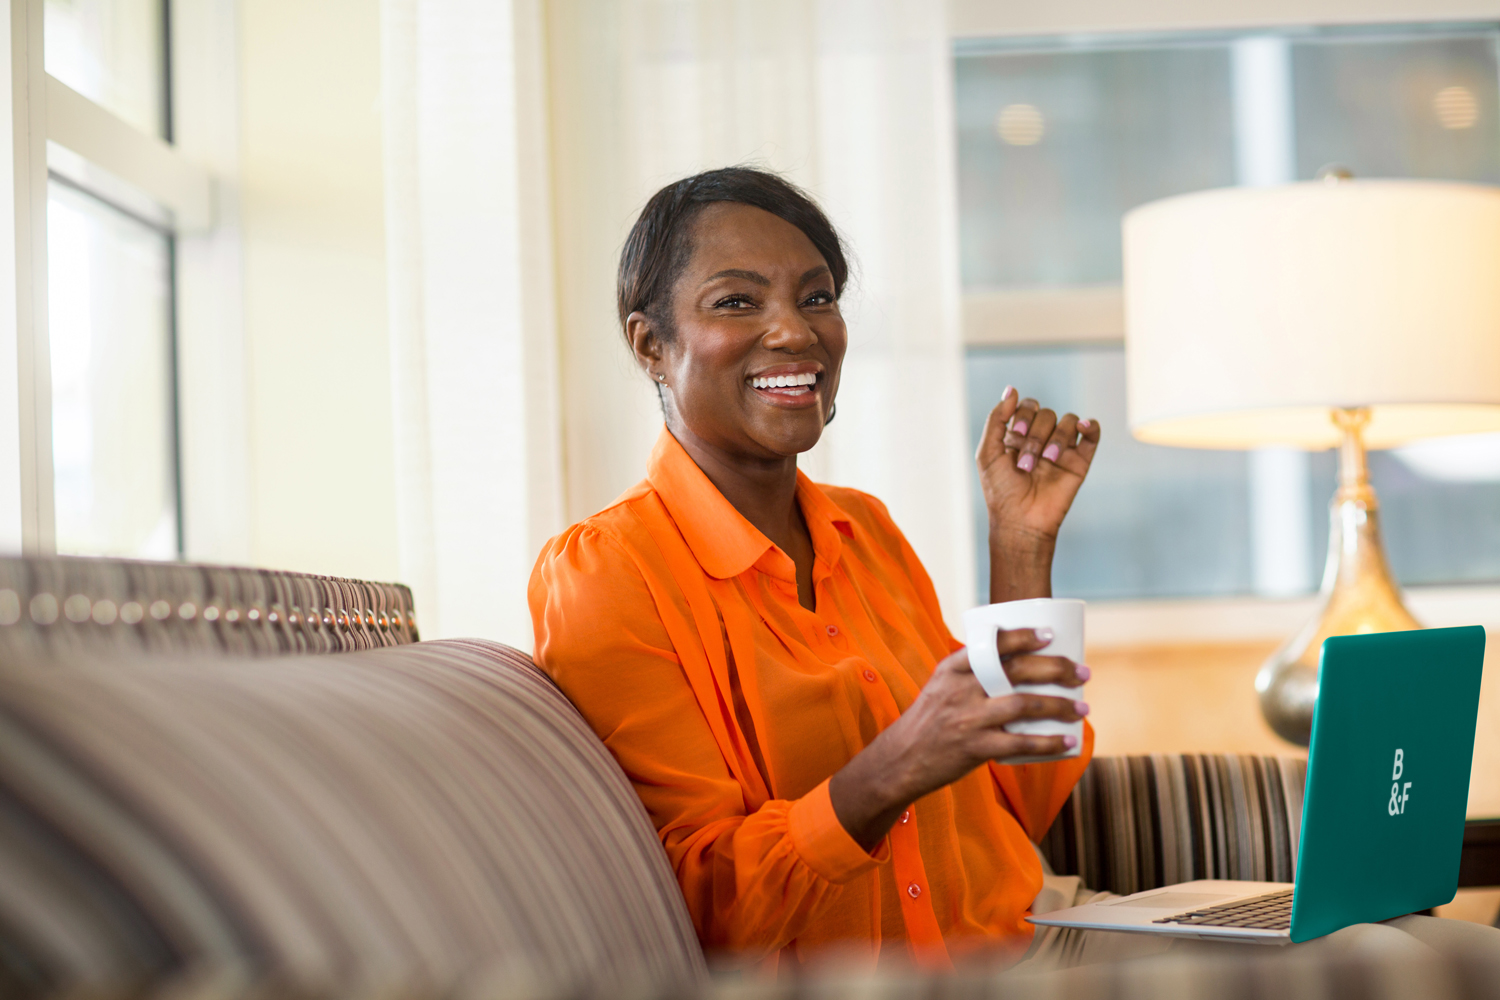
1272,912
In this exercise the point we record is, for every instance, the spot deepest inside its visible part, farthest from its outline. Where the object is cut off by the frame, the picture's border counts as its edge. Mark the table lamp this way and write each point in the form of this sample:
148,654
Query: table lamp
1335,313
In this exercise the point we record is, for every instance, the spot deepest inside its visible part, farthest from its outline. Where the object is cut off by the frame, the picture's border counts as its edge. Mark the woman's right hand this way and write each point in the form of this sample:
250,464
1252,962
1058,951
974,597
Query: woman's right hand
952,728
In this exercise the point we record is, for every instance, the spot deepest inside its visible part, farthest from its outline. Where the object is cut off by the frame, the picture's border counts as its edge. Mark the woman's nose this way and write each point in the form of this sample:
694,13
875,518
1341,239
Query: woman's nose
788,332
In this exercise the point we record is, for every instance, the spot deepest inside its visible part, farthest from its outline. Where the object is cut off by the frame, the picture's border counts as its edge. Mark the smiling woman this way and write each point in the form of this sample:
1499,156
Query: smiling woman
765,656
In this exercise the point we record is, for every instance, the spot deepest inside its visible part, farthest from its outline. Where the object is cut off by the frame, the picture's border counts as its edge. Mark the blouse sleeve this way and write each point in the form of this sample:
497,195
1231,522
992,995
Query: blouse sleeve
753,879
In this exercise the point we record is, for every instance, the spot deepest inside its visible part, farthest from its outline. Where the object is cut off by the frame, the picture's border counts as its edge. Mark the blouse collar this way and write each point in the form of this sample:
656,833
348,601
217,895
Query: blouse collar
723,541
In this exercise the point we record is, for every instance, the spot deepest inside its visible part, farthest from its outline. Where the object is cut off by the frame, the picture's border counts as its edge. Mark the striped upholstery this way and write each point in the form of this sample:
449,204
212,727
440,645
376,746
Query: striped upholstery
1136,823
62,606
1243,973
412,814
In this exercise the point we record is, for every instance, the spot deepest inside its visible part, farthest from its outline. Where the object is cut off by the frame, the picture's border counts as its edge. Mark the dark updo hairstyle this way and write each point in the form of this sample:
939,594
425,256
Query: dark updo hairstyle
660,243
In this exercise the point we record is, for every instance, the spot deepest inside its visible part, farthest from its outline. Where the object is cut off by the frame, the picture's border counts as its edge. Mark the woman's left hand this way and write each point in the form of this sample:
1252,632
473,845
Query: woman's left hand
1031,465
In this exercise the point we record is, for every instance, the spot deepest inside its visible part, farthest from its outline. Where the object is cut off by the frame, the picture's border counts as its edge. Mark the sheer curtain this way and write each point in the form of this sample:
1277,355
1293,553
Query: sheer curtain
850,99
473,331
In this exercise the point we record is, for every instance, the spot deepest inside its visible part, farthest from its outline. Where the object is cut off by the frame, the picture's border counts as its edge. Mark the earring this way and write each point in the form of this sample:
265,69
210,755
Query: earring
661,378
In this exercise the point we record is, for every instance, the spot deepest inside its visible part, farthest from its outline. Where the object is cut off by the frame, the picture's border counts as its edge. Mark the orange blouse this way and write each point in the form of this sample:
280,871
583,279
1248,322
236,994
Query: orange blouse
673,624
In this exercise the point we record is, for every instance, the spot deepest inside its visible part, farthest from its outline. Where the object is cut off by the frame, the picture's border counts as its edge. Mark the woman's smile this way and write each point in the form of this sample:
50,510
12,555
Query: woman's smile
792,386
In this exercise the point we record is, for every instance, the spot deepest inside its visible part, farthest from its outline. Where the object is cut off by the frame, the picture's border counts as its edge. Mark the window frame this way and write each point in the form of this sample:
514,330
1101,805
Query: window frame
182,181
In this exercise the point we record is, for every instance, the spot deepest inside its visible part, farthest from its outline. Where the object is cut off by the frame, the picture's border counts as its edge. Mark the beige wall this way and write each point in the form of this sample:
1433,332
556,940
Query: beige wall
322,477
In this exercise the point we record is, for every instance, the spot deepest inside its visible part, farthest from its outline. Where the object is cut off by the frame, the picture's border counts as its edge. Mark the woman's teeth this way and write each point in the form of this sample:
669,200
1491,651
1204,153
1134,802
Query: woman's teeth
783,381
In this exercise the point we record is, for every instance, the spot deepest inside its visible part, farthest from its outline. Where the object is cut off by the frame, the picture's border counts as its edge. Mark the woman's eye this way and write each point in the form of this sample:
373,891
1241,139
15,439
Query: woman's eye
733,302
818,299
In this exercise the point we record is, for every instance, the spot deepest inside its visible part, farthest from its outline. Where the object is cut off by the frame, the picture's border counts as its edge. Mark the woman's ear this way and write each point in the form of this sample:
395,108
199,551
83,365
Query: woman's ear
645,343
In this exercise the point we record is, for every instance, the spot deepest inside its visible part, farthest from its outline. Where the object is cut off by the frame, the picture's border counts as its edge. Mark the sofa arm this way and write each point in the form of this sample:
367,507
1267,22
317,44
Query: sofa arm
1137,823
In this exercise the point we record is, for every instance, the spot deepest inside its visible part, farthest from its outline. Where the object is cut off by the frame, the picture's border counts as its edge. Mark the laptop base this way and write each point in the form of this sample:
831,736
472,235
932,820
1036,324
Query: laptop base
1138,914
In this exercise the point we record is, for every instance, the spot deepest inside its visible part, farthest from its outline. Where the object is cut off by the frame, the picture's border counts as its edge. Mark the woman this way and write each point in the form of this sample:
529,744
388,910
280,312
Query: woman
766,657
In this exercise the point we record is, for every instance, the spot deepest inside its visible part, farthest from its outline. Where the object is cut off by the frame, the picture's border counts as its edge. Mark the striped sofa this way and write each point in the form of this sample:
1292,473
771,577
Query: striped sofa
339,808
1137,823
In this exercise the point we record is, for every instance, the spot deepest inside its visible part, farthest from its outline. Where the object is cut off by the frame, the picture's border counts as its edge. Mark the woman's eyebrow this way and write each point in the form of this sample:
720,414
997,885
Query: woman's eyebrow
734,272
821,269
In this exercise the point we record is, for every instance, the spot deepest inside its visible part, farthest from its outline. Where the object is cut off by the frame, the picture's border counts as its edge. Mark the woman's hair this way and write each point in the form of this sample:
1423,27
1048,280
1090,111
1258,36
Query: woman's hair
660,243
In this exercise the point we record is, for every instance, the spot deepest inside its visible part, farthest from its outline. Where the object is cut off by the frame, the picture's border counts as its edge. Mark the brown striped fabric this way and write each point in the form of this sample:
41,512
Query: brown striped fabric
1136,823
434,813
62,606
1242,973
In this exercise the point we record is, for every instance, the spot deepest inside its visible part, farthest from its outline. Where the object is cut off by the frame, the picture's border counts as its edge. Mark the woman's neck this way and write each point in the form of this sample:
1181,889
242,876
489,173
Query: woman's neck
764,492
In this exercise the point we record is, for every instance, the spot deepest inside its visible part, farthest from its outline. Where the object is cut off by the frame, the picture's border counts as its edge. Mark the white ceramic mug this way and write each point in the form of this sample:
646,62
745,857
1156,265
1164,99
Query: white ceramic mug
1064,617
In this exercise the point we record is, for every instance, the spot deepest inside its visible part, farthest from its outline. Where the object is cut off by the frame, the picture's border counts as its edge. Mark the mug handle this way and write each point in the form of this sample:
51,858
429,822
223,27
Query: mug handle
984,660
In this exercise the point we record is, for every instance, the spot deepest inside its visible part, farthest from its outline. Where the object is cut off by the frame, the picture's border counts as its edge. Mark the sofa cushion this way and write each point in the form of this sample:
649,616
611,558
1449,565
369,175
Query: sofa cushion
416,812
1137,823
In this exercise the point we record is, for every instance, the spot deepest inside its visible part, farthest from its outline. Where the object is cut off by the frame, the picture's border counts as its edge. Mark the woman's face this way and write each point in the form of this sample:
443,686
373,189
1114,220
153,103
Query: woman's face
753,310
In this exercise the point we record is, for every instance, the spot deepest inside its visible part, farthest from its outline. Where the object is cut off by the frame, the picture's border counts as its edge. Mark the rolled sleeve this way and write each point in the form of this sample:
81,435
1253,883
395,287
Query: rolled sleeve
824,845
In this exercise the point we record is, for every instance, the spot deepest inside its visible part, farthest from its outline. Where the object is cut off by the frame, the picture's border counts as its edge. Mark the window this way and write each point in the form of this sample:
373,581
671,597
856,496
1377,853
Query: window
1056,140
102,197
114,448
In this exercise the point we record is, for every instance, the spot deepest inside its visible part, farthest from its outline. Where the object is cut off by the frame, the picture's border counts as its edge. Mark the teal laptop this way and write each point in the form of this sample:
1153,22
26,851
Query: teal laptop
1382,814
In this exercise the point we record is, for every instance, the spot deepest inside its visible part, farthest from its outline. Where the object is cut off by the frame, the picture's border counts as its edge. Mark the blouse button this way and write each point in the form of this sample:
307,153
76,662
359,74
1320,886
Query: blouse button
914,890
906,816
870,676
833,630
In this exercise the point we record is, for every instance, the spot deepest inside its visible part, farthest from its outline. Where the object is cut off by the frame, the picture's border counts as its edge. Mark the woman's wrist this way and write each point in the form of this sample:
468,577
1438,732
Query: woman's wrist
868,793
1020,564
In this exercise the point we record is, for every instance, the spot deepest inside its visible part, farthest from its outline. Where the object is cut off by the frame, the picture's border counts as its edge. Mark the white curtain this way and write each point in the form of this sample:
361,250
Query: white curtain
473,329
850,99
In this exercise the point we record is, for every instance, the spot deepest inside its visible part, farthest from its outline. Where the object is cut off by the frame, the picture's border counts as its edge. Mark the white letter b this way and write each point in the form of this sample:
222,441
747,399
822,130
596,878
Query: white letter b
1396,771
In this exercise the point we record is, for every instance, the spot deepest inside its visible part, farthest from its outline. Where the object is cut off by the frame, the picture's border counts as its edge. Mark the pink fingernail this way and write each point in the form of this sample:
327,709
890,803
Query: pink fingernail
1085,424
1081,707
1070,741
1042,634
1026,462
1009,390
1082,672
1051,452
1020,426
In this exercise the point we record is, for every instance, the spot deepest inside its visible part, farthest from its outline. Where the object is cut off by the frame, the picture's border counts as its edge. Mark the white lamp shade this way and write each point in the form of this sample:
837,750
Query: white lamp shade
1250,312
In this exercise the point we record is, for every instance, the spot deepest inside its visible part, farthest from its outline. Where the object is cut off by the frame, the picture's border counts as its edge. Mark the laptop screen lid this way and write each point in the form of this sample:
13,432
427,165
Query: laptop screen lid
1388,776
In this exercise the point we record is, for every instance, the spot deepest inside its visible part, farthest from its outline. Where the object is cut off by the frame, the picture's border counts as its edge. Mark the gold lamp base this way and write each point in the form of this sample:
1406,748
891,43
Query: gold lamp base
1358,593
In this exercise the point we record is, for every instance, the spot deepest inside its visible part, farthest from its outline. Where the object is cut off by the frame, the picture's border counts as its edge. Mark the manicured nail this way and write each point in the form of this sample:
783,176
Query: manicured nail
1020,426
1026,462
1042,634
1082,672
1070,741
1085,424
1081,707
1010,390
1051,452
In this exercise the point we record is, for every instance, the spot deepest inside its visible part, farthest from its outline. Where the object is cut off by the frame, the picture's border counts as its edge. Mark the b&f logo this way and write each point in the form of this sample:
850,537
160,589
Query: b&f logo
1400,791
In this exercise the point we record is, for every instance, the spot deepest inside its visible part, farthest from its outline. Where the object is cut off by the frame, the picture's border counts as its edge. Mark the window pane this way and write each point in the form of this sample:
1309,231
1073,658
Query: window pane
111,51
1439,509
1054,147
109,319
1422,107
1174,522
